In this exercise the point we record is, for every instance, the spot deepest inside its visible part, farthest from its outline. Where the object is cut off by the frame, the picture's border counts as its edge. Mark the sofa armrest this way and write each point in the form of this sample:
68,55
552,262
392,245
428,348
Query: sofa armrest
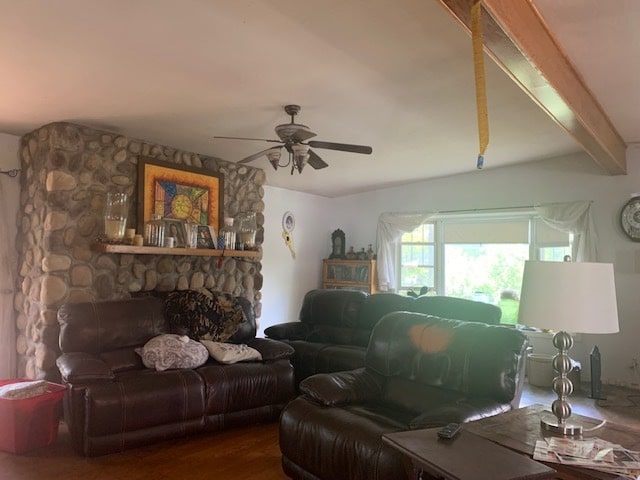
79,367
342,388
459,412
288,331
271,349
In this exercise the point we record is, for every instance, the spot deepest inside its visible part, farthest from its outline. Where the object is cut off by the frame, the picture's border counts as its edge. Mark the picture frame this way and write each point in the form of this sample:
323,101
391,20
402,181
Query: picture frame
177,229
179,192
337,244
205,239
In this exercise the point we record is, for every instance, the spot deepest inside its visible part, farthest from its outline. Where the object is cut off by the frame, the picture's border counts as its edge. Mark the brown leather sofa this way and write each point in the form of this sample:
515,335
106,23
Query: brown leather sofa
420,371
113,402
335,325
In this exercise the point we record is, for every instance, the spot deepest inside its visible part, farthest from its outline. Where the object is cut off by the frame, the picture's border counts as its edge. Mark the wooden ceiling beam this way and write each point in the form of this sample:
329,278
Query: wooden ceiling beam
518,40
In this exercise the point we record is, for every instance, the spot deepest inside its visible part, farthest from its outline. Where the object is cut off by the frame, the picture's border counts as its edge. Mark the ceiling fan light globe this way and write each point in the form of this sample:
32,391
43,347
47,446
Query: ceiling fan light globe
300,149
300,160
273,154
300,155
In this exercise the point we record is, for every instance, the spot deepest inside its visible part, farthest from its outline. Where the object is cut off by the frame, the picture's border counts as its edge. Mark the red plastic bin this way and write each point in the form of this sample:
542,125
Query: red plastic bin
30,423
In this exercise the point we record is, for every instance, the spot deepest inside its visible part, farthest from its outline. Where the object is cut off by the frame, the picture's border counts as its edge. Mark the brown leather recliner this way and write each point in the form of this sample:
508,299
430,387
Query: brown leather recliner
335,325
420,371
114,403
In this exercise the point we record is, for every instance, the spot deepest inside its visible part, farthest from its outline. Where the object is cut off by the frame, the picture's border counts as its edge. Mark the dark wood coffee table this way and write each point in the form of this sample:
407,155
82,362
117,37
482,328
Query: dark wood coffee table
518,431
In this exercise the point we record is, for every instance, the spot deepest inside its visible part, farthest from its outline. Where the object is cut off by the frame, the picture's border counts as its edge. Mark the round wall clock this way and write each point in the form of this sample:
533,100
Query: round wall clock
630,219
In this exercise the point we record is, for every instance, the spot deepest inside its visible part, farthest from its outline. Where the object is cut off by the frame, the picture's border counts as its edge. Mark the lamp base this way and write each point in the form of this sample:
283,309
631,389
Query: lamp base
551,424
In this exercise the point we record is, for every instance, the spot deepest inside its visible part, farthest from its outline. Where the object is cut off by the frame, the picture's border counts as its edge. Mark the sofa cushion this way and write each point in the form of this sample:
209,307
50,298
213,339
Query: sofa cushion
335,308
458,309
96,327
79,367
203,314
471,358
231,352
172,351
373,309
122,359
270,349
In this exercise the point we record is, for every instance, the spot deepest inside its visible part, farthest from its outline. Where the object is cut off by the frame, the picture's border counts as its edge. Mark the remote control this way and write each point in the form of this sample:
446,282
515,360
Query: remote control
449,431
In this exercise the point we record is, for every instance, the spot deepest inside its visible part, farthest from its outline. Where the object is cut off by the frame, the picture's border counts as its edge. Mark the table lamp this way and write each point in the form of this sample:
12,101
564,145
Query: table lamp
575,297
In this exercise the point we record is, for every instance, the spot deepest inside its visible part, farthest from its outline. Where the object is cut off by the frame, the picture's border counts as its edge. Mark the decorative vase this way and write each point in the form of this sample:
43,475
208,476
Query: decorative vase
116,210
246,231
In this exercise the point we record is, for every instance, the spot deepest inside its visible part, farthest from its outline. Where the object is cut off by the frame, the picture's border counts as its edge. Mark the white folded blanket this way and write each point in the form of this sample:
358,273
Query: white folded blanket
18,390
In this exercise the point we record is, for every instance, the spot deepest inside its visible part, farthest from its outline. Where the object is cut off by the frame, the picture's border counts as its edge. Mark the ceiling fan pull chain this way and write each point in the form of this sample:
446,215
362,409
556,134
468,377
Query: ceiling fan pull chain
480,81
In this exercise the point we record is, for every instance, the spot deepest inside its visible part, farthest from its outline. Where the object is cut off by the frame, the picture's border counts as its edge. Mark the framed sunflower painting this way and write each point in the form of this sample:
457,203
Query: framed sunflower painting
178,192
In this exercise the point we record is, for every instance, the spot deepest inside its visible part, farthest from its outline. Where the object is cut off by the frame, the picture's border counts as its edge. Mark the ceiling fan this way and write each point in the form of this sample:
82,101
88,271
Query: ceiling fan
293,137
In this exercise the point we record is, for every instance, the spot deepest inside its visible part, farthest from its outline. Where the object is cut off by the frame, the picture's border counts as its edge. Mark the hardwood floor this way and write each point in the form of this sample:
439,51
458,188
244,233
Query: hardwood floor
250,452
239,453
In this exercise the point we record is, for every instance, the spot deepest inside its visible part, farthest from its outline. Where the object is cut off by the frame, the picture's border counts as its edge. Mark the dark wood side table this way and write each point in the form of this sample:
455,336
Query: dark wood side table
520,429
517,430
467,456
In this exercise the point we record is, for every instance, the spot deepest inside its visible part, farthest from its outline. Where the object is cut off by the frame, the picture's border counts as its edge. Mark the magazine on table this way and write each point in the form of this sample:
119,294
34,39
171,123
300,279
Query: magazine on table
595,453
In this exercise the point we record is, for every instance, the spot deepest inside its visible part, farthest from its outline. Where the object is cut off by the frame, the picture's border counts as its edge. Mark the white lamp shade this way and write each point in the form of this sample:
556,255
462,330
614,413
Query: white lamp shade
576,297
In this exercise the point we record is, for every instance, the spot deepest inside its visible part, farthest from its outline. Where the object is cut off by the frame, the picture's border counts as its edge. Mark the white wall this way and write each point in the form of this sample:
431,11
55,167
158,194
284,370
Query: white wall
9,160
9,151
555,180
286,280
9,200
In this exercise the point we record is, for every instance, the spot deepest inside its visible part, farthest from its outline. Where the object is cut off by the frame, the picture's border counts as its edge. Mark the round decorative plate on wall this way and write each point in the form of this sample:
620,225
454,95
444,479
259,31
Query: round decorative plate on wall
630,219
288,222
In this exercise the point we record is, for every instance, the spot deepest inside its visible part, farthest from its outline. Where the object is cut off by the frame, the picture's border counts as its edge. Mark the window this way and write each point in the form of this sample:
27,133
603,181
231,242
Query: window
479,257
417,253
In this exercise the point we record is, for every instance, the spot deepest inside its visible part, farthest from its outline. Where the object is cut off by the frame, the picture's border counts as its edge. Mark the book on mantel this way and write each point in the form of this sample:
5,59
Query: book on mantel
467,456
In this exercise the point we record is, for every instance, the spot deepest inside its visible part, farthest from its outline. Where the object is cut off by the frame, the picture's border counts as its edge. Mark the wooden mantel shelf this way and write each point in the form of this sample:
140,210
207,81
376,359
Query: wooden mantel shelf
196,252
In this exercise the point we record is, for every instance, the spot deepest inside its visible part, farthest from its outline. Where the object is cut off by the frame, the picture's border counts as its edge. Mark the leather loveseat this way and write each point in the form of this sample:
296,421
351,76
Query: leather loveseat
113,402
335,325
420,372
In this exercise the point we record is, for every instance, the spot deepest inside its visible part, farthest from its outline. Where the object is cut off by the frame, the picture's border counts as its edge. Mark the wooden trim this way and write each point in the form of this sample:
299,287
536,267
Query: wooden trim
518,40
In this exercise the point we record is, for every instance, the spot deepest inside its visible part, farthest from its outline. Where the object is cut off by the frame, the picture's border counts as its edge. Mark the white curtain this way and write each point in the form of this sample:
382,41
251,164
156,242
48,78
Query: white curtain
575,218
9,188
391,226
570,217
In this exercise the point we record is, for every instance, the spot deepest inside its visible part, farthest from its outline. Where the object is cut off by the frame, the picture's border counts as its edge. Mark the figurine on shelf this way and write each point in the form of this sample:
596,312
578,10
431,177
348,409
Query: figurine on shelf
351,254
370,254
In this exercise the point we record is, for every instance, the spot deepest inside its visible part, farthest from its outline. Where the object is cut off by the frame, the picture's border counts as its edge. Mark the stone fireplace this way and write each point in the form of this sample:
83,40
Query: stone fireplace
67,170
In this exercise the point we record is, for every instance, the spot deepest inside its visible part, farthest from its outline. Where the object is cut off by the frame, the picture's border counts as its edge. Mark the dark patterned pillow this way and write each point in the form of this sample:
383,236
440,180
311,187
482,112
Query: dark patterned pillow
203,314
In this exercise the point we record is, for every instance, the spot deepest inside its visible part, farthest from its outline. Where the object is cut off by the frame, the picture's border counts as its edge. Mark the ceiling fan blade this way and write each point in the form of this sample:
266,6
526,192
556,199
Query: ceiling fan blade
344,147
315,161
246,138
251,158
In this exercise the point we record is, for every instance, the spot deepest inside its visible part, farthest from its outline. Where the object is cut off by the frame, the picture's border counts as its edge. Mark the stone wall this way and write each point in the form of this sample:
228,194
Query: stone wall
67,170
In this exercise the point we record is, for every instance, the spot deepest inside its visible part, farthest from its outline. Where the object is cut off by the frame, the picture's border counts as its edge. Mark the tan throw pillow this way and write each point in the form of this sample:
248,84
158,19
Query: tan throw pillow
172,351
231,352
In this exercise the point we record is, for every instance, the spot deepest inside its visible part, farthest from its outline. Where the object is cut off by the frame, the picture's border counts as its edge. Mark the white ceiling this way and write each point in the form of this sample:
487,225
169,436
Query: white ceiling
393,74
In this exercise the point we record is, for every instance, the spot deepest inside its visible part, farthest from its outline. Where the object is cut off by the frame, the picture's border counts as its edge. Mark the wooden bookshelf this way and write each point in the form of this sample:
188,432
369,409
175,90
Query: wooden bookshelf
350,274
